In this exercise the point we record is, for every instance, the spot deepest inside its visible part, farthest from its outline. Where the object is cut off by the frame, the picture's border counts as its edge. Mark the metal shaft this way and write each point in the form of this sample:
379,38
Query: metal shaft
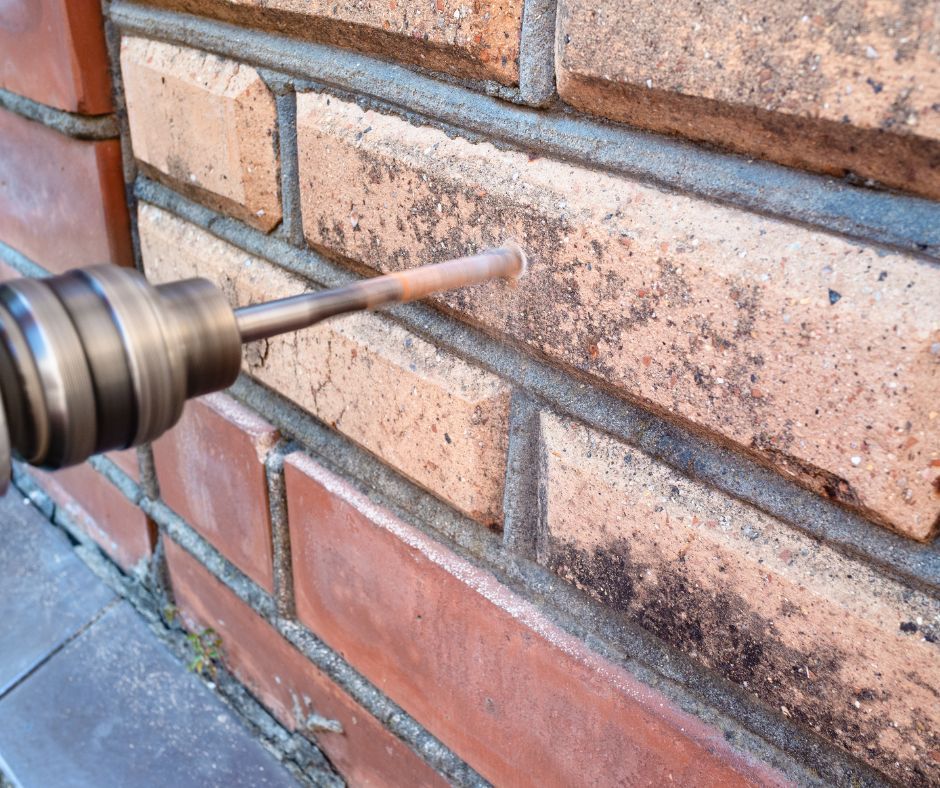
290,314
99,359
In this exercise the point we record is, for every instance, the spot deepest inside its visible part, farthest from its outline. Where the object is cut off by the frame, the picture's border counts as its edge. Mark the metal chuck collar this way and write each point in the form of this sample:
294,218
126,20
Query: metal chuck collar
99,359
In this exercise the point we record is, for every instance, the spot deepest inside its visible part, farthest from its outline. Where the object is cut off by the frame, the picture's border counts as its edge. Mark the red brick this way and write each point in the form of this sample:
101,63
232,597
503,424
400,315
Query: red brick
833,86
481,668
428,413
210,467
61,199
818,355
292,688
103,512
842,648
473,40
207,123
126,460
54,53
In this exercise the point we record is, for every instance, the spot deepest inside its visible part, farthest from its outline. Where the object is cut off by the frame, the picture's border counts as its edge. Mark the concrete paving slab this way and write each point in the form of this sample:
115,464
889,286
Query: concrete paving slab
114,707
46,593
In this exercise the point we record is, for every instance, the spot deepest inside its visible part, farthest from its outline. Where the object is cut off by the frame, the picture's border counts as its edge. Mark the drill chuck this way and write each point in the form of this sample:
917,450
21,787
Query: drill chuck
99,359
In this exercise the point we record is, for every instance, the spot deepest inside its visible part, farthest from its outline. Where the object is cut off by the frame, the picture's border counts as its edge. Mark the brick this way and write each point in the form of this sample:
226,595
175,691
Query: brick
816,354
54,53
812,633
470,40
61,199
437,419
206,123
482,669
292,688
210,467
847,87
126,460
102,511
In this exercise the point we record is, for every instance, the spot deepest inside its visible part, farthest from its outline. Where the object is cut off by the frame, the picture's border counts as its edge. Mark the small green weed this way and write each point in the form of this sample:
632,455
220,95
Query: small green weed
207,651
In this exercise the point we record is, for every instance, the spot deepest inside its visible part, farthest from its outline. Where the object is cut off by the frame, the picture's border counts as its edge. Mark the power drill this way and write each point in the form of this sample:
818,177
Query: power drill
99,359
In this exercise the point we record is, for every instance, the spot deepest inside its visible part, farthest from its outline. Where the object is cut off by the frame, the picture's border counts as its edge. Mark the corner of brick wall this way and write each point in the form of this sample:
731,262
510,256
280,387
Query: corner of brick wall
62,195
662,511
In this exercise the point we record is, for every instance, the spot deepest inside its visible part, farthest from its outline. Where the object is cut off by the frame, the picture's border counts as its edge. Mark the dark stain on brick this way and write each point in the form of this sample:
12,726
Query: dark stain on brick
746,297
721,630
819,480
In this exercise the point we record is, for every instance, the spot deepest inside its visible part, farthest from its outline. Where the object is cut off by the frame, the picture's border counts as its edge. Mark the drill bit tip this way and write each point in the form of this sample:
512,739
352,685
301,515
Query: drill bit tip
262,321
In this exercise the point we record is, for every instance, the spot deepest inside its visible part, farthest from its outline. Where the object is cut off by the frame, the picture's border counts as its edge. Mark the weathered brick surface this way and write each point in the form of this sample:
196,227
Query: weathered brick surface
101,511
210,467
818,355
61,199
471,40
127,461
520,700
434,417
206,122
54,53
820,637
833,86
365,753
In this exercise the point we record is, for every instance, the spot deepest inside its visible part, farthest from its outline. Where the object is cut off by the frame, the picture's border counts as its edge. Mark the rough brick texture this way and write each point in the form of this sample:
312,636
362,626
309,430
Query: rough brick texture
365,753
834,86
61,199
54,53
819,355
437,419
102,511
472,40
634,625
845,651
127,461
210,468
481,668
208,123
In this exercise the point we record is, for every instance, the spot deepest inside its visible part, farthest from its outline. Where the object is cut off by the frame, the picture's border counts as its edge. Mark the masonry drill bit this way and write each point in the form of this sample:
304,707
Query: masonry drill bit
289,314
99,359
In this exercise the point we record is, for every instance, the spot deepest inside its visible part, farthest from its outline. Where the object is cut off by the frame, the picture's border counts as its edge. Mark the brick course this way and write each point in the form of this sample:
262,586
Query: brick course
844,650
102,511
481,668
61,199
837,87
736,323
207,123
210,468
365,753
475,41
434,417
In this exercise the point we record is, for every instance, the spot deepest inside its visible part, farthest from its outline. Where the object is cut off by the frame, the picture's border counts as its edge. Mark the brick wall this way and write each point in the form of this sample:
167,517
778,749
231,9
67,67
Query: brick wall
662,511
63,204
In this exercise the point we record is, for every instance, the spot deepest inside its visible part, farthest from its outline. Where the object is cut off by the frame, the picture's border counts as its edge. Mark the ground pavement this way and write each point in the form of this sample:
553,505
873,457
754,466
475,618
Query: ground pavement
89,695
